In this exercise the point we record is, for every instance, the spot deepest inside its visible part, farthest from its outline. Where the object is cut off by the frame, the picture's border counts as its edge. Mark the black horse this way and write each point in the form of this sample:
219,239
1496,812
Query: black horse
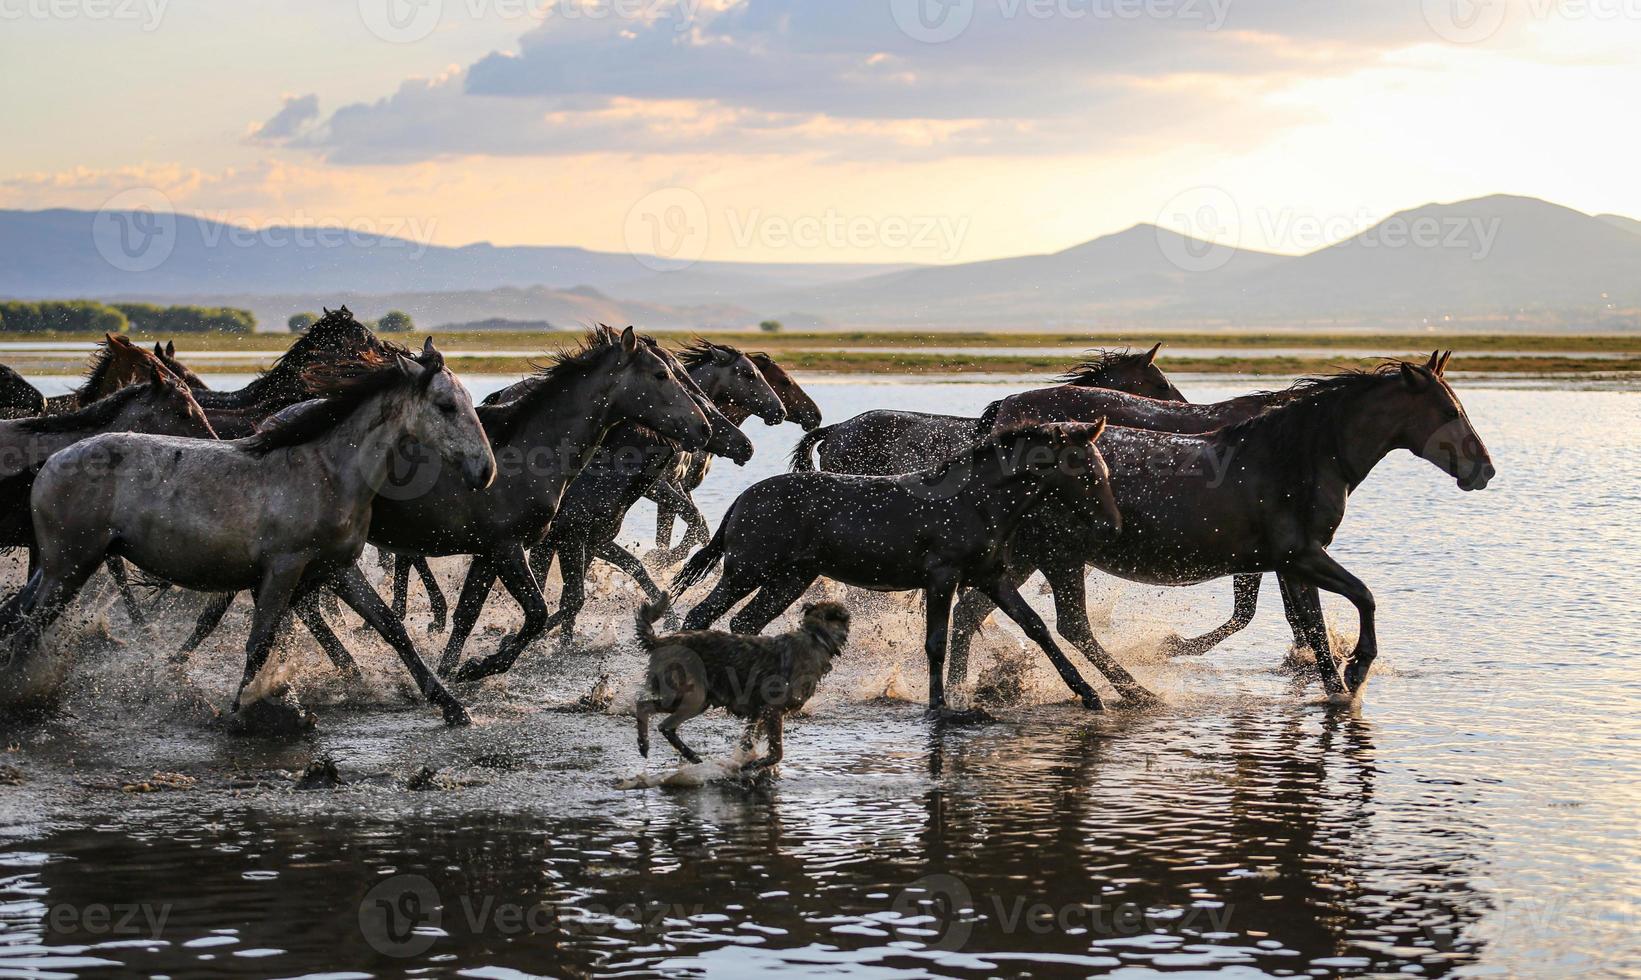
18,398
887,441
673,492
1263,495
935,530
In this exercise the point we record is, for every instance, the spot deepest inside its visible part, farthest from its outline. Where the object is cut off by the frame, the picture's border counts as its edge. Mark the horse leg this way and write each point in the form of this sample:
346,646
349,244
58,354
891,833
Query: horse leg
1245,597
401,586
307,610
664,514
133,609
668,494
514,571
49,593
628,562
1015,607
436,605
1317,566
1306,608
272,597
771,600
573,560
972,609
475,589
1071,621
1297,621
937,597
351,588
210,618
729,590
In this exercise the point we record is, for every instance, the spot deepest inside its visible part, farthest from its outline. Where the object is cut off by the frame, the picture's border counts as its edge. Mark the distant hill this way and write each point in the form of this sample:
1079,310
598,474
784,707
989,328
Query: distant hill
69,254
1498,262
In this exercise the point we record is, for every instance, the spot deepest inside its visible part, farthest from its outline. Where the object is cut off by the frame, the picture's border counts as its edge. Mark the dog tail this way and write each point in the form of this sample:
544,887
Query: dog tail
802,454
648,613
704,561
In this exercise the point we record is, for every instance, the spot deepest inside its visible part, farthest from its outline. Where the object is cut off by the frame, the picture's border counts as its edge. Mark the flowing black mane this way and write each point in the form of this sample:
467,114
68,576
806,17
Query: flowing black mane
1096,365
560,370
335,335
701,352
1302,425
340,388
92,417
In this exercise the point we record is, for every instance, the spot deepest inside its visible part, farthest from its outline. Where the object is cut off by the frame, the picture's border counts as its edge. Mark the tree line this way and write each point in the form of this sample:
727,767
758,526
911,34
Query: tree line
89,316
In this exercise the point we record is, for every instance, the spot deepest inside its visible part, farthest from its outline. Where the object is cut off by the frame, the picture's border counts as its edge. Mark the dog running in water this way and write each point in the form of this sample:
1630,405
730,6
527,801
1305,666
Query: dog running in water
757,678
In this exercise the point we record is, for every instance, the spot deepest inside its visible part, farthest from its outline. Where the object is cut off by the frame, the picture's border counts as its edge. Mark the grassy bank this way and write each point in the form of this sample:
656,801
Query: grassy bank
919,355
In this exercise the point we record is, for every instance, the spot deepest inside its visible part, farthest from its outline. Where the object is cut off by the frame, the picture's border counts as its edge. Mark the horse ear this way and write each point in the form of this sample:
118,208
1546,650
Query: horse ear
629,342
1151,355
1414,377
427,345
1098,429
156,374
409,368
158,350
326,309
1441,368
1435,360
170,348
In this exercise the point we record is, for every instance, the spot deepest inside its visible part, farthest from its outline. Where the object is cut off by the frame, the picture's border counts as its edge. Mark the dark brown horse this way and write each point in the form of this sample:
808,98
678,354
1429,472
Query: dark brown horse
887,441
936,531
116,363
18,398
673,493
1266,494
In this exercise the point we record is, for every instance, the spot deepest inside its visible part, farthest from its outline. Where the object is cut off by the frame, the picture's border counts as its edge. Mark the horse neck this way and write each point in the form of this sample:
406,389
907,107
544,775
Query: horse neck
246,397
569,424
1003,494
358,451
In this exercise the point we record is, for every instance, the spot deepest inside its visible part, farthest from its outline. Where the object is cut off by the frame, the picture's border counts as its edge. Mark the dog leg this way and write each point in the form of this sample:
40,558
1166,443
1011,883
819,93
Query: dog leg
646,708
691,703
772,725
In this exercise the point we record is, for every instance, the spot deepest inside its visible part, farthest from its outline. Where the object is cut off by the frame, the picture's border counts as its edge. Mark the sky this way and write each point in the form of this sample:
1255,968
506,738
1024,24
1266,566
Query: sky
818,130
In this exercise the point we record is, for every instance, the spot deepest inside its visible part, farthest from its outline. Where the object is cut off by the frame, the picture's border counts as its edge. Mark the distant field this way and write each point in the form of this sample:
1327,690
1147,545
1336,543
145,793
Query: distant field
907,353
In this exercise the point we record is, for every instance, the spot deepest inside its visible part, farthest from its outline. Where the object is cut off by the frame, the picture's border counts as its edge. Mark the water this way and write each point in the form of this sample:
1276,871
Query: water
1475,813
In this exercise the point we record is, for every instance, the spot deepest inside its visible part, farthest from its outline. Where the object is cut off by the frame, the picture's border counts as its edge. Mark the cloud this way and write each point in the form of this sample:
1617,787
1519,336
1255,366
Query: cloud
858,79
297,115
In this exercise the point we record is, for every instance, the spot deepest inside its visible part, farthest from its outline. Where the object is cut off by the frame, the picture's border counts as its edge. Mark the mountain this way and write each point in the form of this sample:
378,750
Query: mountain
1619,221
70,254
1132,272
1490,256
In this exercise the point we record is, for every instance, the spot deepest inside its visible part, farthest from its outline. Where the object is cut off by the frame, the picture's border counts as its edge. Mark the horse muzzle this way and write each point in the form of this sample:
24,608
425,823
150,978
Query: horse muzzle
1479,477
479,473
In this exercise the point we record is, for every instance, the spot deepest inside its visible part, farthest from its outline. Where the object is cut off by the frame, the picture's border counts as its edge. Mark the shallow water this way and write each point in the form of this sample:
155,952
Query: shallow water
1475,812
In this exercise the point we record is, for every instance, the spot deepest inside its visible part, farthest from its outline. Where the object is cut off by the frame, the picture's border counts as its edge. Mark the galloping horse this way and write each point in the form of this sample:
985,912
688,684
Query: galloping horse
888,441
673,492
280,513
936,530
1265,494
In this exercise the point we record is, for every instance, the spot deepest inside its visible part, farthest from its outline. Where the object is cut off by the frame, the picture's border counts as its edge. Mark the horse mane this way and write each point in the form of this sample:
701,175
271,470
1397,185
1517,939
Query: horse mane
102,361
337,333
340,388
560,369
1302,422
701,352
1097,363
93,416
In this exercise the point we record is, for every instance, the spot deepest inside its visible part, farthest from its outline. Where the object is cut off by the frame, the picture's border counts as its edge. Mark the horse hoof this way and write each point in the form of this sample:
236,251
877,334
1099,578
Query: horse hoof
952,716
1139,697
1174,645
1092,702
455,716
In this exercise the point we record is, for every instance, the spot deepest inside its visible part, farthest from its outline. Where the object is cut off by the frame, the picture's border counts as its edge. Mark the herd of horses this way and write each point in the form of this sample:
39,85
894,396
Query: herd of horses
351,439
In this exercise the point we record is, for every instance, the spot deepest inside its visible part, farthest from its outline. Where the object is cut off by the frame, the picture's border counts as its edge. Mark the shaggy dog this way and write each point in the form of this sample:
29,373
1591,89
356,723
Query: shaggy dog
758,678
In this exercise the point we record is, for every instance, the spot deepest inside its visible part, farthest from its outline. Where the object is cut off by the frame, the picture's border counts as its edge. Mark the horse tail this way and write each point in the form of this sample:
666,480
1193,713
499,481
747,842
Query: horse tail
648,613
802,454
702,562
987,420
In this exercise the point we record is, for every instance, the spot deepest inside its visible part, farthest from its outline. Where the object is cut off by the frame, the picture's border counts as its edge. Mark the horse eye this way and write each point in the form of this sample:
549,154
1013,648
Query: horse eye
660,375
